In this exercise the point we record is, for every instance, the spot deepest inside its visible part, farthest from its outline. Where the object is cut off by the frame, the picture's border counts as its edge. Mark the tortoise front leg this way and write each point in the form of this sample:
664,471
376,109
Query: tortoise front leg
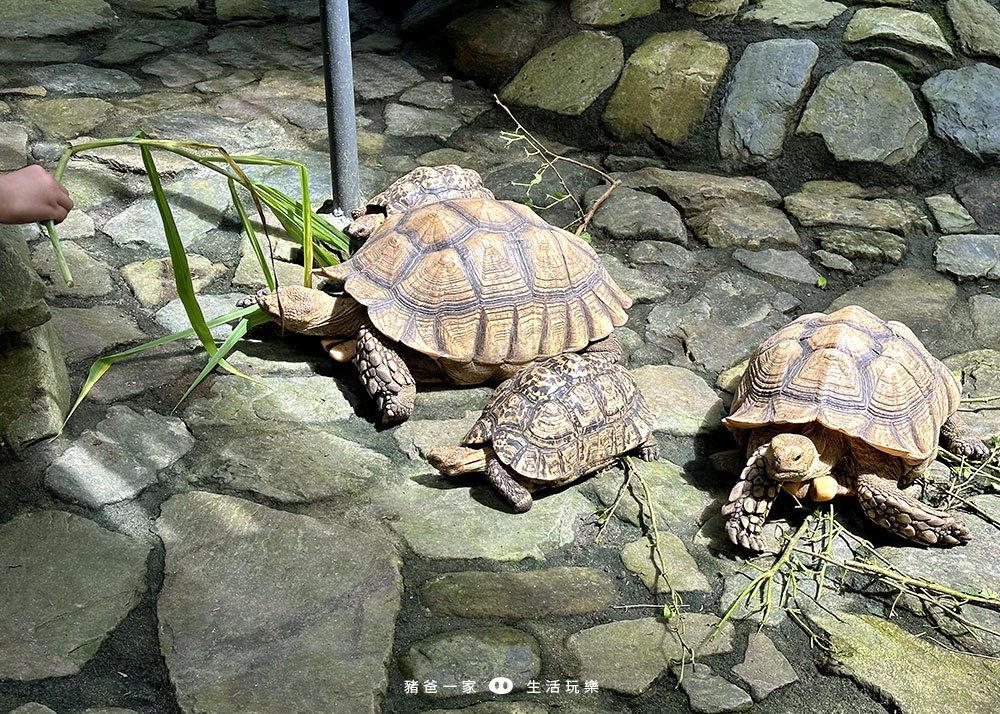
608,348
959,439
503,479
649,450
385,375
896,511
749,503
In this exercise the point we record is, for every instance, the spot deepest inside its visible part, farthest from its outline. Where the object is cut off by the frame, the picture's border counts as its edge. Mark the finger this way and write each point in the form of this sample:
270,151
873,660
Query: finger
59,214
65,201
62,189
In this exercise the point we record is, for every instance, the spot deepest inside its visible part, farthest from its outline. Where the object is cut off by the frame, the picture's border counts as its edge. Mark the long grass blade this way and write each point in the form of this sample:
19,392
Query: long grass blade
235,336
252,235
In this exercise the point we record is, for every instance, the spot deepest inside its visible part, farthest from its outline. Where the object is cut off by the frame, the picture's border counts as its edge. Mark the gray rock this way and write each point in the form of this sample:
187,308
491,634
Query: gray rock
169,34
229,10
722,324
118,158
609,13
404,120
629,655
744,226
182,69
66,118
764,668
52,18
708,693
535,594
880,655
980,374
80,79
13,146
865,112
124,52
969,256
209,128
711,9
986,319
54,614
119,458
636,284
32,708
950,215
964,102
923,300
682,401
175,364
866,244
666,87
977,24
92,278
230,82
38,52
22,300
490,43
475,654
248,588
379,76
681,573
840,189
889,214
628,214
377,42
430,95
416,437
767,90
568,76
982,199
161,8
695,193
796,14
834,261
660,253
886,23
785,264
173,317
152,281
506,707
428,511
87,332
34,384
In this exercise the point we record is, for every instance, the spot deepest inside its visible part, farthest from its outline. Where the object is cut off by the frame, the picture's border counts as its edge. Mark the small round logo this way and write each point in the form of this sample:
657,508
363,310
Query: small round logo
501,685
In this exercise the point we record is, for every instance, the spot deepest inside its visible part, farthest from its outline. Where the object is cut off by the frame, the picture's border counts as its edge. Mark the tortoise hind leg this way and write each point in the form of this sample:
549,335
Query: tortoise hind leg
385,375
502,478
649,450
608,348
883,502
959,439
749,503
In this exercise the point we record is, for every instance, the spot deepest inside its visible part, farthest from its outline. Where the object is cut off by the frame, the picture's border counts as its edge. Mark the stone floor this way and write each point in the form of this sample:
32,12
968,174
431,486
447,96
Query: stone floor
265,547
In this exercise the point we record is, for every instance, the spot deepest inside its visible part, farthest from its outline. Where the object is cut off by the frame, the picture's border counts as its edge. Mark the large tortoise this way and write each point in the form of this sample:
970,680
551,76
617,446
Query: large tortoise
462,290
551,424
848,400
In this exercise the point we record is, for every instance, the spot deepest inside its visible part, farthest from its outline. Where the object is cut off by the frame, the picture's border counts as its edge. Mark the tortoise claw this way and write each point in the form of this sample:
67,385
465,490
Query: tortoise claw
251,300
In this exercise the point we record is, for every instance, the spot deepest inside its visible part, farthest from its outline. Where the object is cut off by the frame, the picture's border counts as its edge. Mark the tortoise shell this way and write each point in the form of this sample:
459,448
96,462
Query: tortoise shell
564,417
484,281
853,372
426,184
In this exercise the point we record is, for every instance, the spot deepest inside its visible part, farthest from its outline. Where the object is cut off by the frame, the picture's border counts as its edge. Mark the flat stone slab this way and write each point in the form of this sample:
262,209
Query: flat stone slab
982,199
695,193
380,76
785,264
34,384
796,14
92,278
950,215
173,318
476,654
54,614
905,26
977,24
666,87
866,244
969,256
637,283
650,252
429,512
628,214
768,87
979,371
568,76
965,103
535,594
985,311
182,69
268,611
865,112
87,332
152,281
764,668
404,120
882,657
79,79
682,572
66,118
22,301
56,18
744,227
119,458
708,693
889,214
684,404
629,655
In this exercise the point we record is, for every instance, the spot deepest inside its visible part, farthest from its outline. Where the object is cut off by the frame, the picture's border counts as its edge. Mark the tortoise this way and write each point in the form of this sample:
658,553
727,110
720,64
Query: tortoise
846,404
551,424
423,185
461,290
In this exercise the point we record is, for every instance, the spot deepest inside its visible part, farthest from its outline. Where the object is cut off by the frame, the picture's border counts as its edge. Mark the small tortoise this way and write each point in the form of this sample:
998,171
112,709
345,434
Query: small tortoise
551,424
423,185
845,403
461,290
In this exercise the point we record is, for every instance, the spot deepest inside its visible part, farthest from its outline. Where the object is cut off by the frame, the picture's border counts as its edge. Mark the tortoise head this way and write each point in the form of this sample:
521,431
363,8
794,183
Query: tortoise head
313,312
365,223
793,457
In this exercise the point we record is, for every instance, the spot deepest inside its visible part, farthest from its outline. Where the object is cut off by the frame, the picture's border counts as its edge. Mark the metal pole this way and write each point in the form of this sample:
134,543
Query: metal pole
340,104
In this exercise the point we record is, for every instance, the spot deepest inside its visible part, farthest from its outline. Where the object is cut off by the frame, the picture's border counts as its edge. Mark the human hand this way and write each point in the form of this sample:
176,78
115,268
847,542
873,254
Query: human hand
30,195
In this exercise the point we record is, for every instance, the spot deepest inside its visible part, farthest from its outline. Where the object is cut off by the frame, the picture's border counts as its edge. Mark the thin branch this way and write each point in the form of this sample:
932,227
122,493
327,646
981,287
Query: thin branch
597,204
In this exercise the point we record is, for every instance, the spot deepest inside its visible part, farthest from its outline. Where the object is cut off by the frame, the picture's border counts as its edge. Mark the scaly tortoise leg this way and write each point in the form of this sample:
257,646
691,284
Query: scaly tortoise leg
883,502
749,503
959,439
608,348
503,479
649,450
385,375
